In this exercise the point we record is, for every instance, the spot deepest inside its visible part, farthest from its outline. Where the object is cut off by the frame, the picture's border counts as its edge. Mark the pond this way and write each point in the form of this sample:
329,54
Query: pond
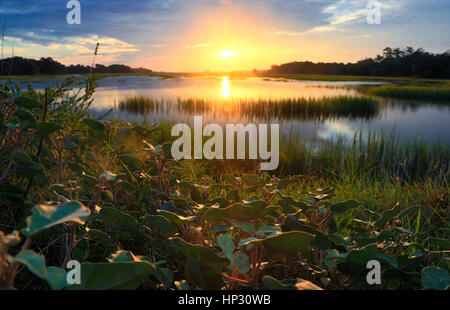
410,121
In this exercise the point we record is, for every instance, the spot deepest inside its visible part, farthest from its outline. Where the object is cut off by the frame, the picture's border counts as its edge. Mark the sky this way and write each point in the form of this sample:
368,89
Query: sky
191,35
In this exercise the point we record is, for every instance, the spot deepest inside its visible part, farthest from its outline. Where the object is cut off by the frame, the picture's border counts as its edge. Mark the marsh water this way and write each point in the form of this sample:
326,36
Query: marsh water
410,121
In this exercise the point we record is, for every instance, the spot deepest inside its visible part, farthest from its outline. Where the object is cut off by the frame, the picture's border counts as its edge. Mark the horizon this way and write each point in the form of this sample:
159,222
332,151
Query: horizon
205,71
220,35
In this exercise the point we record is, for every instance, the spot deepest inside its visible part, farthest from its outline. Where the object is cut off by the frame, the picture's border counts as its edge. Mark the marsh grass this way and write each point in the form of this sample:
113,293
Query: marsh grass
411,92
380,156
346,78
372,157
289,108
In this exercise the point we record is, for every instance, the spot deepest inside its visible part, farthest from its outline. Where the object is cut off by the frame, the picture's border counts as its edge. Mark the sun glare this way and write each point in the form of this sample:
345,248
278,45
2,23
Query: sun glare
225,87
226,54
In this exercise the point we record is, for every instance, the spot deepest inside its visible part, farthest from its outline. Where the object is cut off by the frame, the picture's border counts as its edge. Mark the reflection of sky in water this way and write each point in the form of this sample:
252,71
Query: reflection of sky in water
410,121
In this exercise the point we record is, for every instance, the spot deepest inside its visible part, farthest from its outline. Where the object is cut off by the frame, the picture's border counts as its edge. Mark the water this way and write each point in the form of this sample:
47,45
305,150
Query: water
411,121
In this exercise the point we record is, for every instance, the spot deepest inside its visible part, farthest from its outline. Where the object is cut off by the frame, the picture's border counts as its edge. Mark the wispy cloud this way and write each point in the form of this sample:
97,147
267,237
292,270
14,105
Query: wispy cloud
313,30
199,45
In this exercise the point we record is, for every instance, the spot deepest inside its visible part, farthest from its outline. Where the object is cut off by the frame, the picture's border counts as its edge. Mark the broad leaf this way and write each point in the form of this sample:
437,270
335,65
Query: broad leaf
45,216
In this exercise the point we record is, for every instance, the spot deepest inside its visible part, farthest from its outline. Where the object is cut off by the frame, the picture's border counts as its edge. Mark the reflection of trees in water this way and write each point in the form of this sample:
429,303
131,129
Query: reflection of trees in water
291,108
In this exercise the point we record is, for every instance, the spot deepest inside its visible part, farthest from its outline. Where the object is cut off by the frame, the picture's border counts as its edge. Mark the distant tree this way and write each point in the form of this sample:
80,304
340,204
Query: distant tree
23,66
392,62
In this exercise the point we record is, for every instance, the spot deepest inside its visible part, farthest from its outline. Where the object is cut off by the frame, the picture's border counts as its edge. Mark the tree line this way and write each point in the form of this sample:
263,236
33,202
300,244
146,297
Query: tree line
392,62
48,66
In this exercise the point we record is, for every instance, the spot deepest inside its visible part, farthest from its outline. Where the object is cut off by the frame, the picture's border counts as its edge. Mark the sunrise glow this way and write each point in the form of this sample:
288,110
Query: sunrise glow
226,54
225,87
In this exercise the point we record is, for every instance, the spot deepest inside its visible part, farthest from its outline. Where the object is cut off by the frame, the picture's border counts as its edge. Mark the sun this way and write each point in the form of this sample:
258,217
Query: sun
226,54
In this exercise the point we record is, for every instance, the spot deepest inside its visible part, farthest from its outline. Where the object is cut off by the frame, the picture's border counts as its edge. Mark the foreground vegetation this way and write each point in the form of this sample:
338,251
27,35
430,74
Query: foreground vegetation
108,194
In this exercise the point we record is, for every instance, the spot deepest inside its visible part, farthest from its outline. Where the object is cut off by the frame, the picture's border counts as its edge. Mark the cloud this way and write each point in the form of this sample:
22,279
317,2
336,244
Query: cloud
345,11
199,45
140,30
313,30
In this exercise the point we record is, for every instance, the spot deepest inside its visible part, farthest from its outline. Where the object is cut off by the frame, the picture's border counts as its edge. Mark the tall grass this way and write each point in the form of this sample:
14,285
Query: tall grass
298,108
380,156
377,156
412,92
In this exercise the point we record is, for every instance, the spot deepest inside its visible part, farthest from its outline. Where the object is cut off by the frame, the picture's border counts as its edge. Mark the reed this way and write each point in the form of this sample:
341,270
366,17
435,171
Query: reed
289,108
412,92
378,156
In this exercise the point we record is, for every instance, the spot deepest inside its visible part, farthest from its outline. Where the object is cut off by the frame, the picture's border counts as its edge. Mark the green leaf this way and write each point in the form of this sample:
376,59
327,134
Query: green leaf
273,284
123,134
45,216
322,242
56,277
196,195
289,243
290,205
226,244
388,215
27,103
435,278
258,207
165,276
233,212
70,145
241,262
233,195
382,236
161,223
266,230
115,276
245,226
93,124
34,262
199,253
388,259
45,129
203,275
175,218
246,241
131,162
360,257
27,119
335,255
22,158
341,207
113,216
303,285
28,170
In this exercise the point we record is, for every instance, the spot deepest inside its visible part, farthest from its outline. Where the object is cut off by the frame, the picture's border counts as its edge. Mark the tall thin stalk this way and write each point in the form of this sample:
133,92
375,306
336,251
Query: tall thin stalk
93,59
